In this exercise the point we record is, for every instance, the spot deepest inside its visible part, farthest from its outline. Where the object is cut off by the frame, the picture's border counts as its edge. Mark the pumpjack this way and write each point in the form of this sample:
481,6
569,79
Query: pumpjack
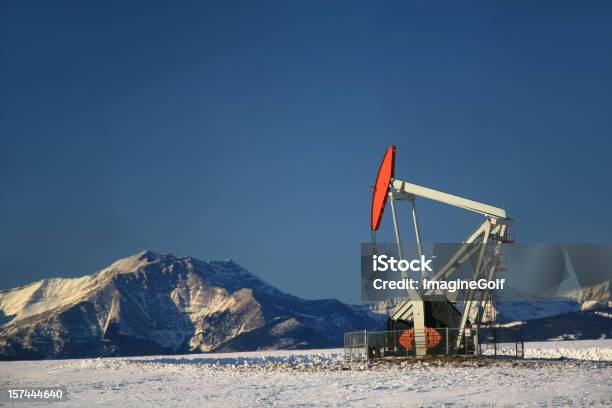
425,310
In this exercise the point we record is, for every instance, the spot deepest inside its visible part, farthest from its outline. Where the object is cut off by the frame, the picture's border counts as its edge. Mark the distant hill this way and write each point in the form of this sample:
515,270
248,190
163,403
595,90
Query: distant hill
583,325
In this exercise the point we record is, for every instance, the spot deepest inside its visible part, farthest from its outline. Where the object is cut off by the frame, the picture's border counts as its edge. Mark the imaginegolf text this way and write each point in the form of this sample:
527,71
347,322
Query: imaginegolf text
450,286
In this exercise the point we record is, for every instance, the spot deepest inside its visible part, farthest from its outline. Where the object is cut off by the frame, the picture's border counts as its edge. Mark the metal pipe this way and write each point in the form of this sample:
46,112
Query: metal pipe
447,351
417,232
396,227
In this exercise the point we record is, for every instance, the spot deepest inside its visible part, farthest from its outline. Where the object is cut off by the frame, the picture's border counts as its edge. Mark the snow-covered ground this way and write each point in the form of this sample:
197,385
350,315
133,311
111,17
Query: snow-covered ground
593,350
555,374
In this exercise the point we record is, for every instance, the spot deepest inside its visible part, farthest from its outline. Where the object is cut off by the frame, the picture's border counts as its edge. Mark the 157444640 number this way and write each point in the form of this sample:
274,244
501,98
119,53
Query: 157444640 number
33,393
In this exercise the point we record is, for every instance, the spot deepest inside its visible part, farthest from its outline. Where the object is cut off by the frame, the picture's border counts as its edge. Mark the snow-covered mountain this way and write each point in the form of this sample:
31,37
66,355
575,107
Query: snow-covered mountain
592,297
150,303
582,314
511,305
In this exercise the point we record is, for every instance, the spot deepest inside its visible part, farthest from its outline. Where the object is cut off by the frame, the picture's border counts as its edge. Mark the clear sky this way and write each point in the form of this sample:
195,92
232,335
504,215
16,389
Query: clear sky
252,130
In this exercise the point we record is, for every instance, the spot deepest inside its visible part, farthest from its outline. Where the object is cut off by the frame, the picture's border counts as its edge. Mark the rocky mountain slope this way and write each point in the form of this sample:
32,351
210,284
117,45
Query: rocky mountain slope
150,303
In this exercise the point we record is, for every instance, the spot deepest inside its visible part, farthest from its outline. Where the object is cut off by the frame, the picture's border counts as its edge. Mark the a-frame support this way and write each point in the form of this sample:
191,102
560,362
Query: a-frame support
490,233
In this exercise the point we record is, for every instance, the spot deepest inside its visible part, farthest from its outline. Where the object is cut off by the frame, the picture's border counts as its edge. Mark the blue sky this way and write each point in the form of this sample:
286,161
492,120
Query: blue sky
252,130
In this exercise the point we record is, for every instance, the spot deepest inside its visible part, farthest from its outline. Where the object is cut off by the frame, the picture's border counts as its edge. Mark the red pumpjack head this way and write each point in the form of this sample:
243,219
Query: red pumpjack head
382,187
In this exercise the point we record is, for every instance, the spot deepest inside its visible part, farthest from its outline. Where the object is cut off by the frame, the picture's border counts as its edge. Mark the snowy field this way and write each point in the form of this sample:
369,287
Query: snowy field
559,373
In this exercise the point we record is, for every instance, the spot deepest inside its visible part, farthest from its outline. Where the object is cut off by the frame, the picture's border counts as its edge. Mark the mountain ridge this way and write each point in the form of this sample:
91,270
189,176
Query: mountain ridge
152,303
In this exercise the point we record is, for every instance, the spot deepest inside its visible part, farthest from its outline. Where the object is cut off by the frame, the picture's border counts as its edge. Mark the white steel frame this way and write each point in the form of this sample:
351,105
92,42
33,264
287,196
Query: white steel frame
492,231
